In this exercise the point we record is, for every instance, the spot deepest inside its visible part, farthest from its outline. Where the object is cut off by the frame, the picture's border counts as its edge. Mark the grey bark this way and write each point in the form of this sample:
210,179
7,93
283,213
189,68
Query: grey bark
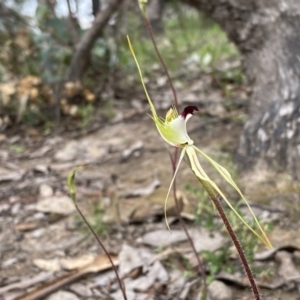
82,53
155,10
267,34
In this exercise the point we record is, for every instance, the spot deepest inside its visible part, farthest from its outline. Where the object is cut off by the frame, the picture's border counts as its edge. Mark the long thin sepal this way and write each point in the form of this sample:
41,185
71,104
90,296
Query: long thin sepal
197,169
172,181
141,76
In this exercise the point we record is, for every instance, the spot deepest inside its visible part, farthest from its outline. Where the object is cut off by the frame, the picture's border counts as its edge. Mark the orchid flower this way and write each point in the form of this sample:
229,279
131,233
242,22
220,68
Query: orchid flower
173,130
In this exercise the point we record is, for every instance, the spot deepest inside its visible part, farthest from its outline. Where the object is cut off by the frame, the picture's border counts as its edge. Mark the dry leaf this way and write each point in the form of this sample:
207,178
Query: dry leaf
23,284
76,262
6,91
129,259
100,263
51,265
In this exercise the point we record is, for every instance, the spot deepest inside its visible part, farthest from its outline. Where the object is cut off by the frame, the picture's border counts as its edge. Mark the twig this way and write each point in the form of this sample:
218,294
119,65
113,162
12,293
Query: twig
72,24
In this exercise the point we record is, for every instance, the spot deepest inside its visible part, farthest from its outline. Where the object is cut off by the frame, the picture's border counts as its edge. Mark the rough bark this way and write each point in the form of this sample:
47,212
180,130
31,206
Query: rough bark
82,53
267,34
155,10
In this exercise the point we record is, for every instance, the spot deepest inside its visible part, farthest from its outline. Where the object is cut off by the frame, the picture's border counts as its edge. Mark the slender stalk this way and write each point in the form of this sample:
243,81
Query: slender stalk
122,287
161,60
216,200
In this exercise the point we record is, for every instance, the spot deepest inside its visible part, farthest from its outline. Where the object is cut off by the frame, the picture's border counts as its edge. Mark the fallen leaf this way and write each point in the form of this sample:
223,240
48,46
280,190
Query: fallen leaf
77,262
129,259
52,265
25,283
100,263
7,175
6,91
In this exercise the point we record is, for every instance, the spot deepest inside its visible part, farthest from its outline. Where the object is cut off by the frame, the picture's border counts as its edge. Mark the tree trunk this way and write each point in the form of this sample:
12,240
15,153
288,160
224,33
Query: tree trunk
267,34
155,10
82,53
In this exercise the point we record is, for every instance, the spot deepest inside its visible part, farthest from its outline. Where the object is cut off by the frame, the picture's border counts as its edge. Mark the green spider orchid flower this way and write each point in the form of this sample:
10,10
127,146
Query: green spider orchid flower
173,130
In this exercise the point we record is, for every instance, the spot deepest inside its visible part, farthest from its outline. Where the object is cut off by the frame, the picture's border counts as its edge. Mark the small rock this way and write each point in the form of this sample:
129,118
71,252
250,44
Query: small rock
4,207
62,295
81,290
41,169
46,190
38,233
15,208
68,153
218,290
57,204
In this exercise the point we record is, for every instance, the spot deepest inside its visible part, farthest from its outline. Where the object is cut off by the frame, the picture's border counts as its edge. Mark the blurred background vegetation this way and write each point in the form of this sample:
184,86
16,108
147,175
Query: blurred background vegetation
40,38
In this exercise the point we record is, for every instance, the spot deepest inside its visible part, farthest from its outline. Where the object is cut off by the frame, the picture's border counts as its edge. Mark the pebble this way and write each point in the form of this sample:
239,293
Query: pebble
218,290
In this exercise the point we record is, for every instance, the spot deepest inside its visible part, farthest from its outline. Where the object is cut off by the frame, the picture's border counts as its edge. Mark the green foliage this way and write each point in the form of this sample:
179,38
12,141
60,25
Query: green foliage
188,36
217,261
18,149
85,112
96,220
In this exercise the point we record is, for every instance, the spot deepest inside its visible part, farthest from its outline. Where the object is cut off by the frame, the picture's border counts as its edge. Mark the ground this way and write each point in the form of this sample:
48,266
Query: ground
46,249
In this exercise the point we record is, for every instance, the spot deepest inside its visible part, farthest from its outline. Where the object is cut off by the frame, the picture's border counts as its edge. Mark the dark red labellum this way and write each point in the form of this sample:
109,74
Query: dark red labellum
189,110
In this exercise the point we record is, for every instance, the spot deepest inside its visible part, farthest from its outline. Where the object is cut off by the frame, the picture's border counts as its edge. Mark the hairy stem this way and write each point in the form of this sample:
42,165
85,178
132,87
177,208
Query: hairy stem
216,200
122,287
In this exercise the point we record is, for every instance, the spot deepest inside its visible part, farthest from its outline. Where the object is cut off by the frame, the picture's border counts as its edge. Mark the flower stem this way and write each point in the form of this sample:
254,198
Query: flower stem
122,287
161,59
216,200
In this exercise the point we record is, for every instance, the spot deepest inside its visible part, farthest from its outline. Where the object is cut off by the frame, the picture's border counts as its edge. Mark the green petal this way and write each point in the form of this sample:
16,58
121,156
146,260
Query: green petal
172,182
